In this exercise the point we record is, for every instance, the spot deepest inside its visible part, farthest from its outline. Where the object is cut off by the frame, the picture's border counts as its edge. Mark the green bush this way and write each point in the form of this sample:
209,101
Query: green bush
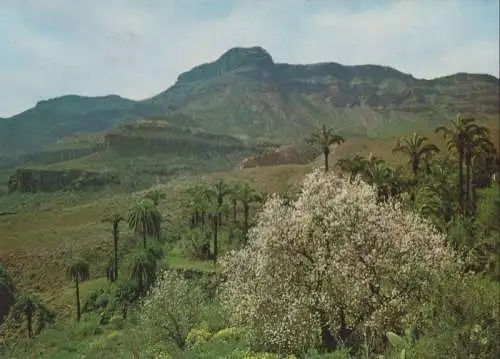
88,326
197,336
460,319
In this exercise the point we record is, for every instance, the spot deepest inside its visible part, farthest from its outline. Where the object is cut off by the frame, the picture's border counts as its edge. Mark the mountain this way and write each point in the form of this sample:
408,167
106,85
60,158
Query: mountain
56,118
246,94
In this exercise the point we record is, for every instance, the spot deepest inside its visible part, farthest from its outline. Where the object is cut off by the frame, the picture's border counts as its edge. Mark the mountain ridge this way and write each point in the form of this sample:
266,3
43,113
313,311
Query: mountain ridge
245,93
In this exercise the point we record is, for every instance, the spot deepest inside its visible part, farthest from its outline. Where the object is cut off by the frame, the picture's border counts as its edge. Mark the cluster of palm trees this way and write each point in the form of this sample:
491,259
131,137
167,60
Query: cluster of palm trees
210,207
471,145
466,140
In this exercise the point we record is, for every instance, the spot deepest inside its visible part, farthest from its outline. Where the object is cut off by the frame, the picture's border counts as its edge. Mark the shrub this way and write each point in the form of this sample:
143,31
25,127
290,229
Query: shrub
173,308
198,336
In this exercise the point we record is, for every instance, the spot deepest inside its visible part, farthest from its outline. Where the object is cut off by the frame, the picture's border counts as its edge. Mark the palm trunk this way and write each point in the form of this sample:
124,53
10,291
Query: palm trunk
78,309
193,221
246,214
468,179
235,203
461,180
115,248
326,153
216,229
140,284
29,320
219,218
414,167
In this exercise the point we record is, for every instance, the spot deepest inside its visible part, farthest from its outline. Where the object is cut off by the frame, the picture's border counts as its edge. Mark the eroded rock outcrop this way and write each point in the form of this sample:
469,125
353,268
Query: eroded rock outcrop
39,180
289,155
159,136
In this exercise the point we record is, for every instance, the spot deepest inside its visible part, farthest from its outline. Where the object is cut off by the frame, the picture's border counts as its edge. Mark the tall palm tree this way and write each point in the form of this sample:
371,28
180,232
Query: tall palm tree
478,146
216,195
416,148
78,271
115,218
142,269
28,305
197,205
144,218
459,137
155,195
323,138
247,195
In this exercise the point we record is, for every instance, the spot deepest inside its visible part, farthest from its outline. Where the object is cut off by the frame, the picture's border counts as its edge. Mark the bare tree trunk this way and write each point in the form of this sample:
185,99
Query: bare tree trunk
78,309
215,234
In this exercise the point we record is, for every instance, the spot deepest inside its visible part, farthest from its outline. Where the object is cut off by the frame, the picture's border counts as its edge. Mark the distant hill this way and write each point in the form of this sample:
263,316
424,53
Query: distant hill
56,118
246,94
134,155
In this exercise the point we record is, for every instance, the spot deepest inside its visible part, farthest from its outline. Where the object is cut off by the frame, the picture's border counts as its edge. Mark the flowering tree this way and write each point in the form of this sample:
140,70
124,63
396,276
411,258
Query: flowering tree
172,308
334,260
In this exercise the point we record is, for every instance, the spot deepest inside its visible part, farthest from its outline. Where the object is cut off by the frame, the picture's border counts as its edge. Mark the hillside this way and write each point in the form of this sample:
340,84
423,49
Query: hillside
246,94
64,116
134,155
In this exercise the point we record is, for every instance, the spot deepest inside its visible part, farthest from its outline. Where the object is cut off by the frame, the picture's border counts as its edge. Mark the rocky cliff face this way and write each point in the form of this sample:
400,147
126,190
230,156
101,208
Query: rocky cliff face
34,180
163,137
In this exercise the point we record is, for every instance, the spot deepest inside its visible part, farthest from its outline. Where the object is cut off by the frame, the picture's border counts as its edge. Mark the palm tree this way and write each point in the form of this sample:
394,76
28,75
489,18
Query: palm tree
115,219
247,195
416,148
353,166
78,271
28,305
197,205
155,195
477,145
216,195
142,269
384,178
144,218
323,138
461,138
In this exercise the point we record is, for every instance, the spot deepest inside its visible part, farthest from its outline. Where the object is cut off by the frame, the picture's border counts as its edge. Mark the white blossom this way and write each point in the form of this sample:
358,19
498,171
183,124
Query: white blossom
335,250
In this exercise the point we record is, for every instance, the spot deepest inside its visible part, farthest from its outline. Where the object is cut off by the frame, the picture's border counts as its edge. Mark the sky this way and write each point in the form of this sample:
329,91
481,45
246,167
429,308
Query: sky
137,48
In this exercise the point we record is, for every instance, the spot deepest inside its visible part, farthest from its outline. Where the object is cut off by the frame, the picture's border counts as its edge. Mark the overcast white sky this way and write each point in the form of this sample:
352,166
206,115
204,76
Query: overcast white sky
137,48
